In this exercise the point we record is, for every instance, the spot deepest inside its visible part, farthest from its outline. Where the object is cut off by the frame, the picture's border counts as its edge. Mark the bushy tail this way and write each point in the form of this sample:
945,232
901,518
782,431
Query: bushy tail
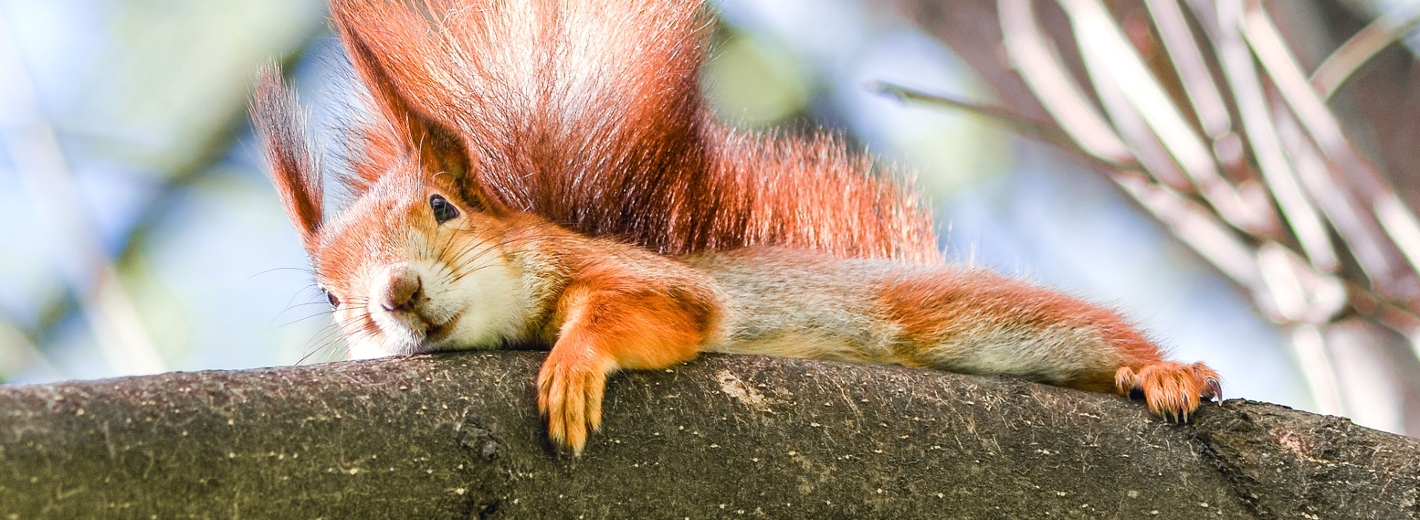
589,114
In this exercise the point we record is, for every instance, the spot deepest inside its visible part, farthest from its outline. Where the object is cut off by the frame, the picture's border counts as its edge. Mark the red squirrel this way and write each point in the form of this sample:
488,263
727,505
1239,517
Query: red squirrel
545,172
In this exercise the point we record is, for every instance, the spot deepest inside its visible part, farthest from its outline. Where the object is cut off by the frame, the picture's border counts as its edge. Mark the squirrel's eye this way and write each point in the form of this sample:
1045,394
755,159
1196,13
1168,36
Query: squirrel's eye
330,296
444,211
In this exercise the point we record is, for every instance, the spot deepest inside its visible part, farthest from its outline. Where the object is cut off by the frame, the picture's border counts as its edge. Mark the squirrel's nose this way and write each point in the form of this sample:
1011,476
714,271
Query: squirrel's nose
403,291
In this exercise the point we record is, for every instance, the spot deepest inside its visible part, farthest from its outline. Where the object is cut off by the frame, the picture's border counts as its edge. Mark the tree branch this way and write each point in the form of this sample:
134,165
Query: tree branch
453,436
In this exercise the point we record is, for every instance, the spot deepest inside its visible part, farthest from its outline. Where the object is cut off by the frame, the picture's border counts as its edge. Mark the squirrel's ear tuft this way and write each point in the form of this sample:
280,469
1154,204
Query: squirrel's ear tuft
281,127
406,128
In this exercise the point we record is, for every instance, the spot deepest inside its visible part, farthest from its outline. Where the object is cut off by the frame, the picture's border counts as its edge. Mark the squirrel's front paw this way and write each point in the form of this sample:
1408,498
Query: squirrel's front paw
1171,390
569,396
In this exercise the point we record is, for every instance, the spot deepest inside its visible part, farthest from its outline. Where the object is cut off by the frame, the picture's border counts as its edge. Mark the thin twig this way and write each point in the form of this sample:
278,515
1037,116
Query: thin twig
1362,47
1041,68
1042,130
1135,131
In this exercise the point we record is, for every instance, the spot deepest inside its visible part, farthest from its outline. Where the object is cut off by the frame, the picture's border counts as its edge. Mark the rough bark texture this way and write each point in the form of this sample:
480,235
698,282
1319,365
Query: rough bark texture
456,436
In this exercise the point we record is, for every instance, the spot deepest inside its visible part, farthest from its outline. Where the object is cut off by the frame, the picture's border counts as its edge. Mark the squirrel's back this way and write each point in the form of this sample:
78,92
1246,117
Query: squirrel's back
590,115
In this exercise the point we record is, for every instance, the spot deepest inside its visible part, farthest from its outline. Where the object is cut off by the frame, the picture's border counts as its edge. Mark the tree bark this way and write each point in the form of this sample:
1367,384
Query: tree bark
457,436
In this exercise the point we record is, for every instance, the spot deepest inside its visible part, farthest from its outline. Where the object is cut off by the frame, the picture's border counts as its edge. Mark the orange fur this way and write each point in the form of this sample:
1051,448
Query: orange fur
281,128
588,114
613,320
943,306
1171,390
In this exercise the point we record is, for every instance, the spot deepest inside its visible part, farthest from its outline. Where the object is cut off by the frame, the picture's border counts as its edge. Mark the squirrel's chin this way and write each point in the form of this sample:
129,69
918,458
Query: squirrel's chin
434,335
401,341
407,341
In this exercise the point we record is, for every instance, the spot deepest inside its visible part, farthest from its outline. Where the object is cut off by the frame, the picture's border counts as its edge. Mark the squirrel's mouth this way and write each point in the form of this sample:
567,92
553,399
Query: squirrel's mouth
434,334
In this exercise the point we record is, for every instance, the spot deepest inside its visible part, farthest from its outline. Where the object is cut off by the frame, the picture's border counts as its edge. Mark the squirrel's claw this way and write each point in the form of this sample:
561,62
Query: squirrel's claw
1170,390
569,397
1215,390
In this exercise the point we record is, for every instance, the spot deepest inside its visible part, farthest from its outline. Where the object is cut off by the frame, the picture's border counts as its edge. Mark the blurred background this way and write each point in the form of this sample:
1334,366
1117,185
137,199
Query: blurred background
1233,175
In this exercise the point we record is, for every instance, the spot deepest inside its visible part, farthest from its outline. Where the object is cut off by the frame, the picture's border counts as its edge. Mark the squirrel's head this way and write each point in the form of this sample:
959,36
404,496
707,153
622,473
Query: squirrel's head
412,267
416,262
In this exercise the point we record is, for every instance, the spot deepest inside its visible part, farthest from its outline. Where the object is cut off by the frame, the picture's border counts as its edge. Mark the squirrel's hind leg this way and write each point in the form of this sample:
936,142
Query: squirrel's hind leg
1171,390
977,321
